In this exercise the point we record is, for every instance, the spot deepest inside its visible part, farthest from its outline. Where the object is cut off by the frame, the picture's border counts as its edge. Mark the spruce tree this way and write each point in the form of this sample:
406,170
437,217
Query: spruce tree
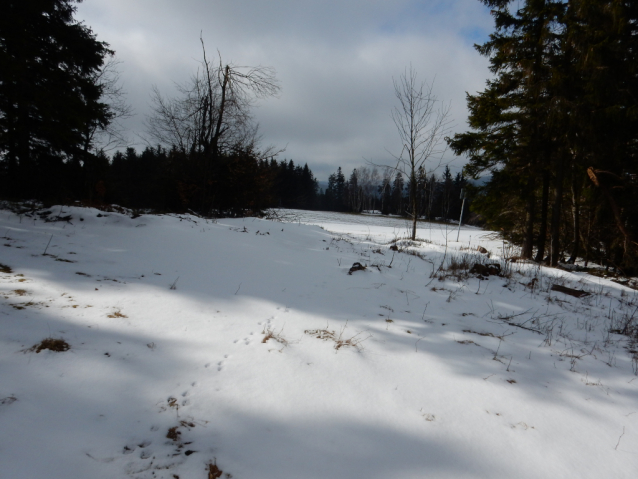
509,118
48,93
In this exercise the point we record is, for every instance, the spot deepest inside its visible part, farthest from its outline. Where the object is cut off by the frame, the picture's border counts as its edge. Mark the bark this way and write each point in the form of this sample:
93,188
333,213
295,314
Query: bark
576,187
531,217
542,233
414,207
556,213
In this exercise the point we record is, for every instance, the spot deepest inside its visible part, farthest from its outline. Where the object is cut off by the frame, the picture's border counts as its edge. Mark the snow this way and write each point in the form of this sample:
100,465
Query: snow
414,377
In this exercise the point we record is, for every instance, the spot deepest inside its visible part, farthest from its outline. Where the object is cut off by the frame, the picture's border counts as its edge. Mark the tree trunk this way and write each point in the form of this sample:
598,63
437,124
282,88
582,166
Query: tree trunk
542,233
576,187
222,106
556,213
531,217
413,193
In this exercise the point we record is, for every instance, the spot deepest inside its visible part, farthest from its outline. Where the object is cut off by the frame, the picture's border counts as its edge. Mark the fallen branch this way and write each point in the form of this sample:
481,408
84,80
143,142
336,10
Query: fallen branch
577,293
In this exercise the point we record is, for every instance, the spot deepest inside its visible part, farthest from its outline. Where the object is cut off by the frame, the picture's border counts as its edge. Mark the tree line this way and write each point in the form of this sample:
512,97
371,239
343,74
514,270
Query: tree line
61,107
557,130
386,191
159,179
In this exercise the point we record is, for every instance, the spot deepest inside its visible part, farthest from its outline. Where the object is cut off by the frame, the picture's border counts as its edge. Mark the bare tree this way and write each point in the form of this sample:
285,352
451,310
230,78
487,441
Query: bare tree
107,136
211,114
422,122
368,182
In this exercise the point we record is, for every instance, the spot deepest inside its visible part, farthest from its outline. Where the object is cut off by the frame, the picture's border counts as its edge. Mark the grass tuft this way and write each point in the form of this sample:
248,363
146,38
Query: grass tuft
215,472
340,342
270,333
56,345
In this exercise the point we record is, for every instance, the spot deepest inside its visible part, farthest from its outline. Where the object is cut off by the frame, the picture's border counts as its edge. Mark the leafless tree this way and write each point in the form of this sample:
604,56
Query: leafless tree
212,113
422,121
105,137
368,182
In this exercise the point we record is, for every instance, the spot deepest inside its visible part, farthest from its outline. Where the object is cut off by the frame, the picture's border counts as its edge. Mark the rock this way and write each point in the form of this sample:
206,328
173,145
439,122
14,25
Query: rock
356,267
486,269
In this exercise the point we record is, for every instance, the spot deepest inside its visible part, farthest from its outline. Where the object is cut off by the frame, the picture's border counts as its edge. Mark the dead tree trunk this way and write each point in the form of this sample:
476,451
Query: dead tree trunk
576,188
556,212
528,245
542,232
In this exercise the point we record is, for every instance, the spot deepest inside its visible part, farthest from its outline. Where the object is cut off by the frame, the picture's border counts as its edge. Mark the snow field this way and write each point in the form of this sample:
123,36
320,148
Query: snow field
442,381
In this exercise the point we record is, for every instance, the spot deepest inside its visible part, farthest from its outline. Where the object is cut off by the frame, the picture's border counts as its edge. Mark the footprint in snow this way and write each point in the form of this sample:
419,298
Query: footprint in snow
128,449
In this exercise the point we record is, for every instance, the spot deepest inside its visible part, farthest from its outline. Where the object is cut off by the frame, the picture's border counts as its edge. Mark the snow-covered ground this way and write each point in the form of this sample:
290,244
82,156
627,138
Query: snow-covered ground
245,343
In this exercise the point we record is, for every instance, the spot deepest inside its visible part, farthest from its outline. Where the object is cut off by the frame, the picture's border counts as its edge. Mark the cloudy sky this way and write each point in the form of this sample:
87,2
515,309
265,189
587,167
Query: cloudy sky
335,61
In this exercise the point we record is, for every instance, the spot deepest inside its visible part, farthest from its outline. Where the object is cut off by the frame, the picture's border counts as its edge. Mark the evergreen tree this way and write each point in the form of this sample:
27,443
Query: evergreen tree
385,192
340,191
397,194
511,118
48,93
559,126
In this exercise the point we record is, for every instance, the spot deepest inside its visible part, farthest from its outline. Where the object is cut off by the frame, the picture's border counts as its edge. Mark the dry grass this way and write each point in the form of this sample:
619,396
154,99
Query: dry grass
20,292
215,472
270,333
24,305
480,334
340,342
5,269
116,314
56,345
173,434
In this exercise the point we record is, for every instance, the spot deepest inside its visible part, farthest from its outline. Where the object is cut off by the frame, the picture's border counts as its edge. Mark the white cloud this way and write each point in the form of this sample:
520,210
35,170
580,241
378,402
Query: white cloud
335,61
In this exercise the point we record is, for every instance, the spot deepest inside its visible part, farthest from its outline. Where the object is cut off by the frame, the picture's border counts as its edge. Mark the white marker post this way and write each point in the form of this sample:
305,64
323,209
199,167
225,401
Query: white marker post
463,196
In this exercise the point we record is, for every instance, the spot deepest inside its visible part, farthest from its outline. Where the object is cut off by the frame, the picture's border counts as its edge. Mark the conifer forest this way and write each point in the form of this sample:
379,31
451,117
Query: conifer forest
551,144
